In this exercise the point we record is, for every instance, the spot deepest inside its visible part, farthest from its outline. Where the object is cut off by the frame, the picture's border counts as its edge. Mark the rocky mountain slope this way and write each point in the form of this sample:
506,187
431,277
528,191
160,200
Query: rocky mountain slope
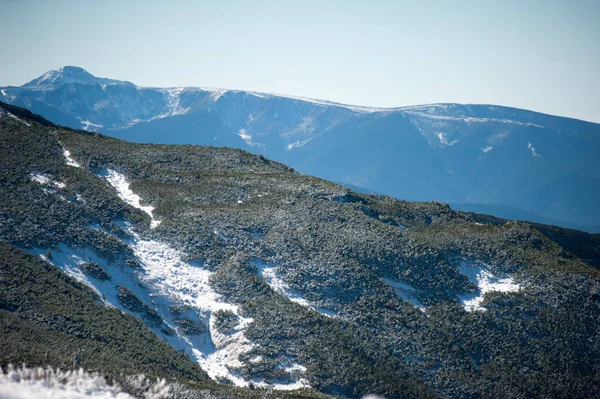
514,162
268,278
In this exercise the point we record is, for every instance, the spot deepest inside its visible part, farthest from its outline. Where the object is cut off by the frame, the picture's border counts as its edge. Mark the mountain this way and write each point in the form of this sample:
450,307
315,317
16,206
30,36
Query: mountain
71,74
268,279
478,155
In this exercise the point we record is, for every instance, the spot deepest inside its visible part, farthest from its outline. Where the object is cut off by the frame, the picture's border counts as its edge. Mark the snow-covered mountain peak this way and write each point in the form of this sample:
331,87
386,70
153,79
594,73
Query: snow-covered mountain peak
69,74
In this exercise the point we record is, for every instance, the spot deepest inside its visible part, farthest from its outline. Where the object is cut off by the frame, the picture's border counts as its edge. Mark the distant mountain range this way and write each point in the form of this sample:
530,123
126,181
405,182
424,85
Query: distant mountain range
508,162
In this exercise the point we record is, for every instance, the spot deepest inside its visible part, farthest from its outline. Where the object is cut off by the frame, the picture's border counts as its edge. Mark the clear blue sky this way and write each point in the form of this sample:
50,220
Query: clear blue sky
536,54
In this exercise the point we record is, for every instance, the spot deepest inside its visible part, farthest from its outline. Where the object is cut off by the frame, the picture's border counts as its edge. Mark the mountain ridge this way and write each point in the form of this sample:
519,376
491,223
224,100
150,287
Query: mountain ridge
287,95
479,154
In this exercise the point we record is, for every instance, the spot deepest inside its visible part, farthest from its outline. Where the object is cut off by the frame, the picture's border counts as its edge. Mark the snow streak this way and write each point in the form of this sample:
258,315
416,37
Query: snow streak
268,274
118,181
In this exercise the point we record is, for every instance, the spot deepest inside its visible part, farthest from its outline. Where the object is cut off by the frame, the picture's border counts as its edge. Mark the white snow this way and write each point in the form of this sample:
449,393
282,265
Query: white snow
296,371
177,281
25,383
216,93
47,383
171,276
486,282
269,275
69,260
532,148
443,137
164,279
228,348
246,137
40,178
119,182
406,292
297,144
87,124
48,185
419,111
173,103
17,118
70,161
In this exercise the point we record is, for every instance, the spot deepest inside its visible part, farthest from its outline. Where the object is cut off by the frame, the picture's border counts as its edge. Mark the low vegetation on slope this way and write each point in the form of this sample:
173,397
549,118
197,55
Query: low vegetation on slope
358,293
47,318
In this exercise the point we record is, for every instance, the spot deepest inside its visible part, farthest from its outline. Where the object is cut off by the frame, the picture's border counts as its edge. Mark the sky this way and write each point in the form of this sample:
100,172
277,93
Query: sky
542,55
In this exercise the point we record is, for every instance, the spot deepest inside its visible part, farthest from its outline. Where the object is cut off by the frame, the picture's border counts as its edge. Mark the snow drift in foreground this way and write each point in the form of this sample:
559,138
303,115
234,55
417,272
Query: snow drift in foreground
485,282
26,383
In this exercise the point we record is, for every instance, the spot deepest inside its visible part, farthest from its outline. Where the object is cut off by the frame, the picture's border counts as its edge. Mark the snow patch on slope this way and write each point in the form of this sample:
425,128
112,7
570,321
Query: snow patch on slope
244,136
532,149
162,280
486,282
269,275
69,261
228,348
406,292
48,185
181,282
173,103
17,118
87,124
70,161
119,182
443,137
297,144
